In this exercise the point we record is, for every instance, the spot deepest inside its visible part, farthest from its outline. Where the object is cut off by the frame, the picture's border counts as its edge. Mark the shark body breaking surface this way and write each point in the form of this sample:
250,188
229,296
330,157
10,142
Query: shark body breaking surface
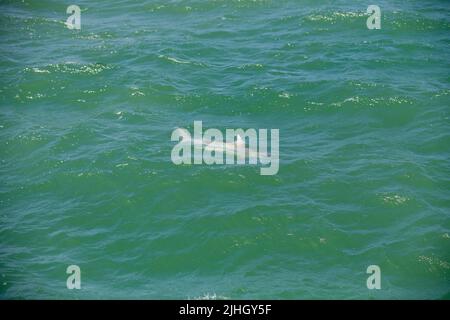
210,147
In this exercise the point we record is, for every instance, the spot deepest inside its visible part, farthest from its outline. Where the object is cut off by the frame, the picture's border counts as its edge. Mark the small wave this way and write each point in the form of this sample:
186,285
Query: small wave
70,67
179,61
211,296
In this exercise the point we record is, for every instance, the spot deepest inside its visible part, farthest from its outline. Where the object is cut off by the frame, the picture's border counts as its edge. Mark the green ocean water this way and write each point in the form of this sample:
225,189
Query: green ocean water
86,176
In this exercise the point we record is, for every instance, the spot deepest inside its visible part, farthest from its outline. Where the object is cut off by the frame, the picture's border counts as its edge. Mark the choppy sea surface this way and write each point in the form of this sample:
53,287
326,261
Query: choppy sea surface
86,176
